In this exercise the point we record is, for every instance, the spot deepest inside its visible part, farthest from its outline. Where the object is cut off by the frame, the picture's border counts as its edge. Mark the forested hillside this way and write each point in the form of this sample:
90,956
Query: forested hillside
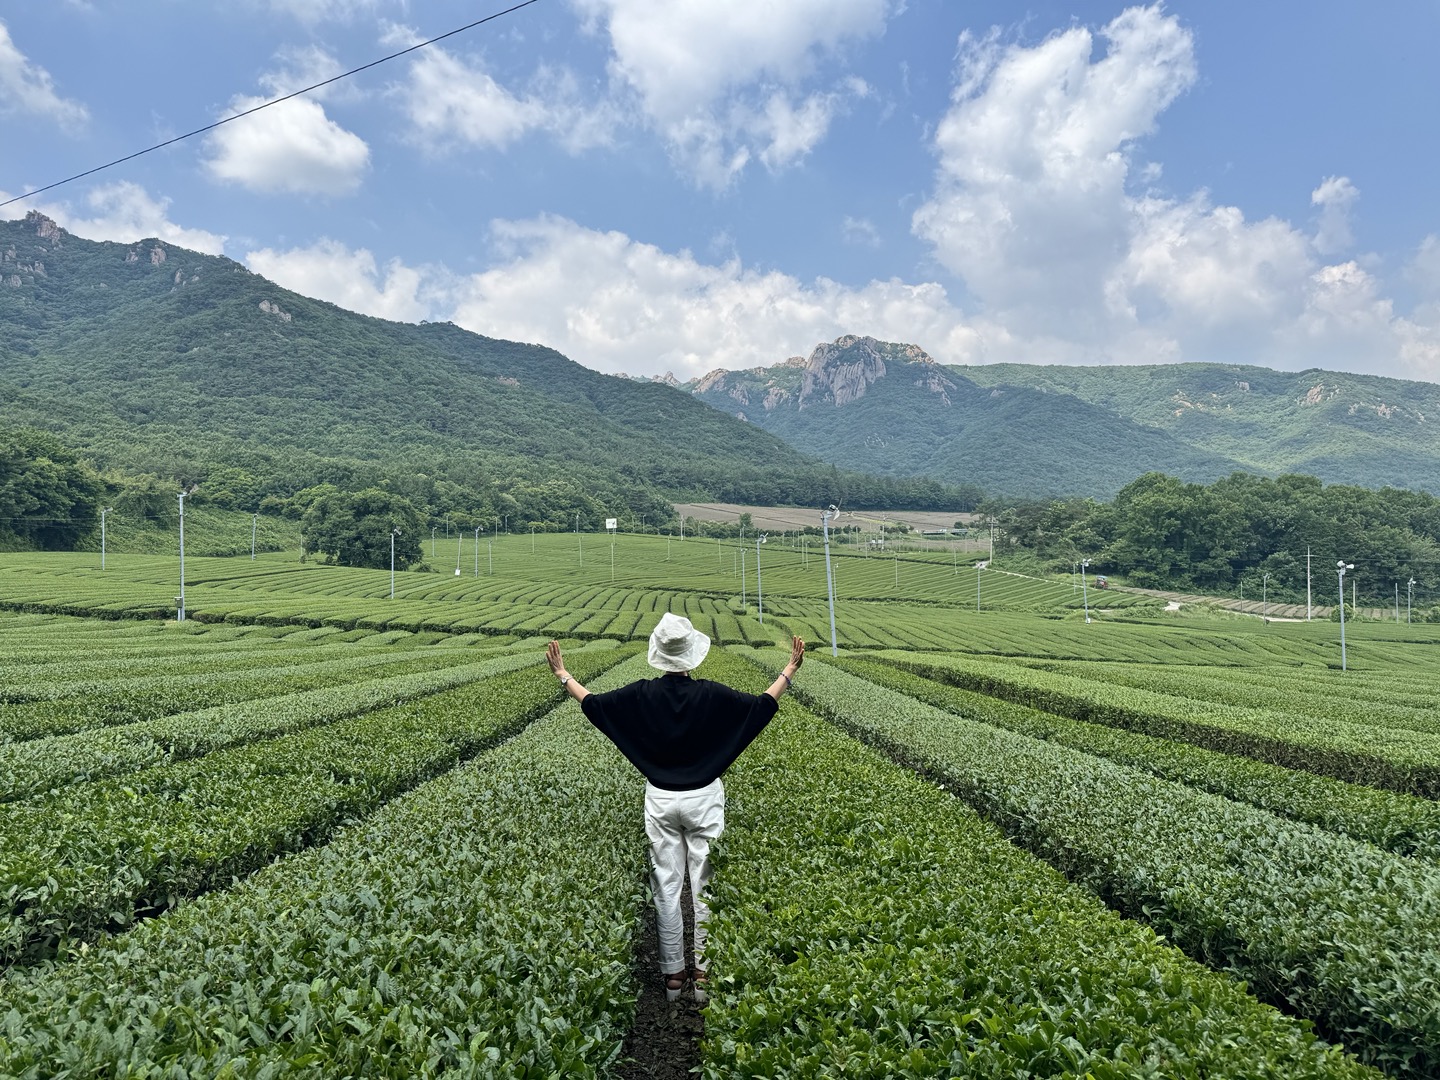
1024,430
155,360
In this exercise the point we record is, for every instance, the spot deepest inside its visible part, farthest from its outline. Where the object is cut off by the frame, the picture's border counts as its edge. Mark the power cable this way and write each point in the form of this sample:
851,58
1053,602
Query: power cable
266,105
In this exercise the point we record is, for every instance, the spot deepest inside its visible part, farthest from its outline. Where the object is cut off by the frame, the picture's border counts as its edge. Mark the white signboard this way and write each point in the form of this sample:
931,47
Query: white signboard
610,523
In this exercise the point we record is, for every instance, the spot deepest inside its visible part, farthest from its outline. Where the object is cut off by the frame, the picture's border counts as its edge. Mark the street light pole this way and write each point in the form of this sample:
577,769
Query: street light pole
1084,586
393,533
833,511
759,596
180,613
1341,567
107,510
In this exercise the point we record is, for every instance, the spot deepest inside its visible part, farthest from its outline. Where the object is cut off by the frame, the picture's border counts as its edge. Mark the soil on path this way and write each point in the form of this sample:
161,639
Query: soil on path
664,1042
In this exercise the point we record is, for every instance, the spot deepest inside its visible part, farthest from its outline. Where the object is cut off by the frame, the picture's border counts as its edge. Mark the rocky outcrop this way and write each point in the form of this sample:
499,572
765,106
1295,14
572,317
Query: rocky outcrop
157,255
45,228
274,309
840,372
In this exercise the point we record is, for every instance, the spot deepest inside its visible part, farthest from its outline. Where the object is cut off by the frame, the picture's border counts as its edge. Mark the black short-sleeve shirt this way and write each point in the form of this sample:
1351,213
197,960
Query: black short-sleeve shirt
680,732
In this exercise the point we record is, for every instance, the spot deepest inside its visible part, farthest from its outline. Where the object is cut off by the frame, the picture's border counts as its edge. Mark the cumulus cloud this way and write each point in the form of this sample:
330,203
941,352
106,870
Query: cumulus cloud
126,212
28,88
722,83
1035,209
451,102
292,147
328,270
1029,206
1335,196
616,304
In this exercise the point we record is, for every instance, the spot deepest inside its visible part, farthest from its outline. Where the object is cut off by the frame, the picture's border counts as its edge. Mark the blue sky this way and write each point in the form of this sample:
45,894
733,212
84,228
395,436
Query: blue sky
680,185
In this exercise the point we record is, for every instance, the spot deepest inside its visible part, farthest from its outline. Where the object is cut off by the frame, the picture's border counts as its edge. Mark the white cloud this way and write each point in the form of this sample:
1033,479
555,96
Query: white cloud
1033,209
1029,206
289,147
720,81
328,270
615,304
449,101
1335,196
28,88
1424,268
861,231
126,212
316,11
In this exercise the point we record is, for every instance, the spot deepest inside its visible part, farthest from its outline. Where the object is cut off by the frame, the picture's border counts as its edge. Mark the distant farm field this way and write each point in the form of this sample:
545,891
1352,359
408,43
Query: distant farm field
316,829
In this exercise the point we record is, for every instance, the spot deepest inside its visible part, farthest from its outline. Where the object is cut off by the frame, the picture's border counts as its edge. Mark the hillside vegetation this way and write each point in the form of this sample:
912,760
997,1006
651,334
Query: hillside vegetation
154,359
1032,431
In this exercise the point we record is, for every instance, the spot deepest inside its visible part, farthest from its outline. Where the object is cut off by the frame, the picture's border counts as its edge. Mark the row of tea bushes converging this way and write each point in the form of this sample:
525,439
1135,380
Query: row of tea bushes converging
1334,929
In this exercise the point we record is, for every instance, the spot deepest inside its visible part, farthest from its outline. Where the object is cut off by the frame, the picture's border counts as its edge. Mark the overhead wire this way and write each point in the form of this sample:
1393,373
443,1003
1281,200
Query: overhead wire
267,104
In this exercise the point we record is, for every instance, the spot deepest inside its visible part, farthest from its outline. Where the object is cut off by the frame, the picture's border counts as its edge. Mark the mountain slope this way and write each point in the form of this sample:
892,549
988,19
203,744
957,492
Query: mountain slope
1346,428
155,358
1043,431
891,409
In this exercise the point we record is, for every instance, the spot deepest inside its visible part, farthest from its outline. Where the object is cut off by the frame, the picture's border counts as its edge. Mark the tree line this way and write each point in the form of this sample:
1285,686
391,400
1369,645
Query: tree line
1224,537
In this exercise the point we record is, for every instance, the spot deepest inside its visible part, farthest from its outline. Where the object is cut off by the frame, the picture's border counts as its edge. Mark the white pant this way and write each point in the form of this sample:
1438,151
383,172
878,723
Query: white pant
680,825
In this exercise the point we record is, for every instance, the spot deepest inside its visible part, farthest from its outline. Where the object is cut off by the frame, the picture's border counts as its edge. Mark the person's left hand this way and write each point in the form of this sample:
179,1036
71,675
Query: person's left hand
554,659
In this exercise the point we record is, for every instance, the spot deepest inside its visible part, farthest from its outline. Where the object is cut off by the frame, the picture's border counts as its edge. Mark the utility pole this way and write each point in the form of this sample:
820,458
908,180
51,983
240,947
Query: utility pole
759,596
1084,589
103,513
1264,597
1307,584
393,533
254,524
433,530
477,547
1397,601
1342,566
180,612
832,511
1409,598
459,544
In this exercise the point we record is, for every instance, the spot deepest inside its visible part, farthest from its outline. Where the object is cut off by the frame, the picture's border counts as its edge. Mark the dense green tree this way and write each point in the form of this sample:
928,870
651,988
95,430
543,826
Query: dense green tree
355,529
49,499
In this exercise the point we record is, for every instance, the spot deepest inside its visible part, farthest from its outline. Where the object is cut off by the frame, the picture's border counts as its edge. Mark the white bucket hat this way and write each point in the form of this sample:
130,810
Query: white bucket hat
675,645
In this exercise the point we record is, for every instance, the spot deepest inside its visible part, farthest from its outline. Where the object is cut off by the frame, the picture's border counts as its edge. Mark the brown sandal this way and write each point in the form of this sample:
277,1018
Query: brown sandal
674,984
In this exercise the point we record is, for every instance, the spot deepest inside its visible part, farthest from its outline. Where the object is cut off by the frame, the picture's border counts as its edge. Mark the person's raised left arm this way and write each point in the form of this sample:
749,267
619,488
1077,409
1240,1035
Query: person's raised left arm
797,657
557,665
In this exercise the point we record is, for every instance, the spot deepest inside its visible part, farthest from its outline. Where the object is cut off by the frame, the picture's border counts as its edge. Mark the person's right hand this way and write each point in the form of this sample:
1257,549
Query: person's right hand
797,652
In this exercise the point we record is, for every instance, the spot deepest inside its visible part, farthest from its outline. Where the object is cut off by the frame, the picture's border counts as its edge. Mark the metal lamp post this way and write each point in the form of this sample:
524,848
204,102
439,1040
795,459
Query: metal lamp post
833,511
393,533
1084,586
759,596
459,544
103,513
180,611
1409,598
1341,567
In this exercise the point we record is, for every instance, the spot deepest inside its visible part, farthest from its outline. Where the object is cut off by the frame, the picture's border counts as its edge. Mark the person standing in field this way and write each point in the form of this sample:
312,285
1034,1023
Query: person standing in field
681,733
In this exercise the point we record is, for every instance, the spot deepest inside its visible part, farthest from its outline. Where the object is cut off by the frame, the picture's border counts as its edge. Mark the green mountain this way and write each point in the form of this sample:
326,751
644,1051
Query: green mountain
152,358
1041,431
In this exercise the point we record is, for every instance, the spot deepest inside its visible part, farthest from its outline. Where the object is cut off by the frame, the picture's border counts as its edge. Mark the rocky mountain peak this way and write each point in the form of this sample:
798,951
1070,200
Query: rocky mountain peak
44,227
839,373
